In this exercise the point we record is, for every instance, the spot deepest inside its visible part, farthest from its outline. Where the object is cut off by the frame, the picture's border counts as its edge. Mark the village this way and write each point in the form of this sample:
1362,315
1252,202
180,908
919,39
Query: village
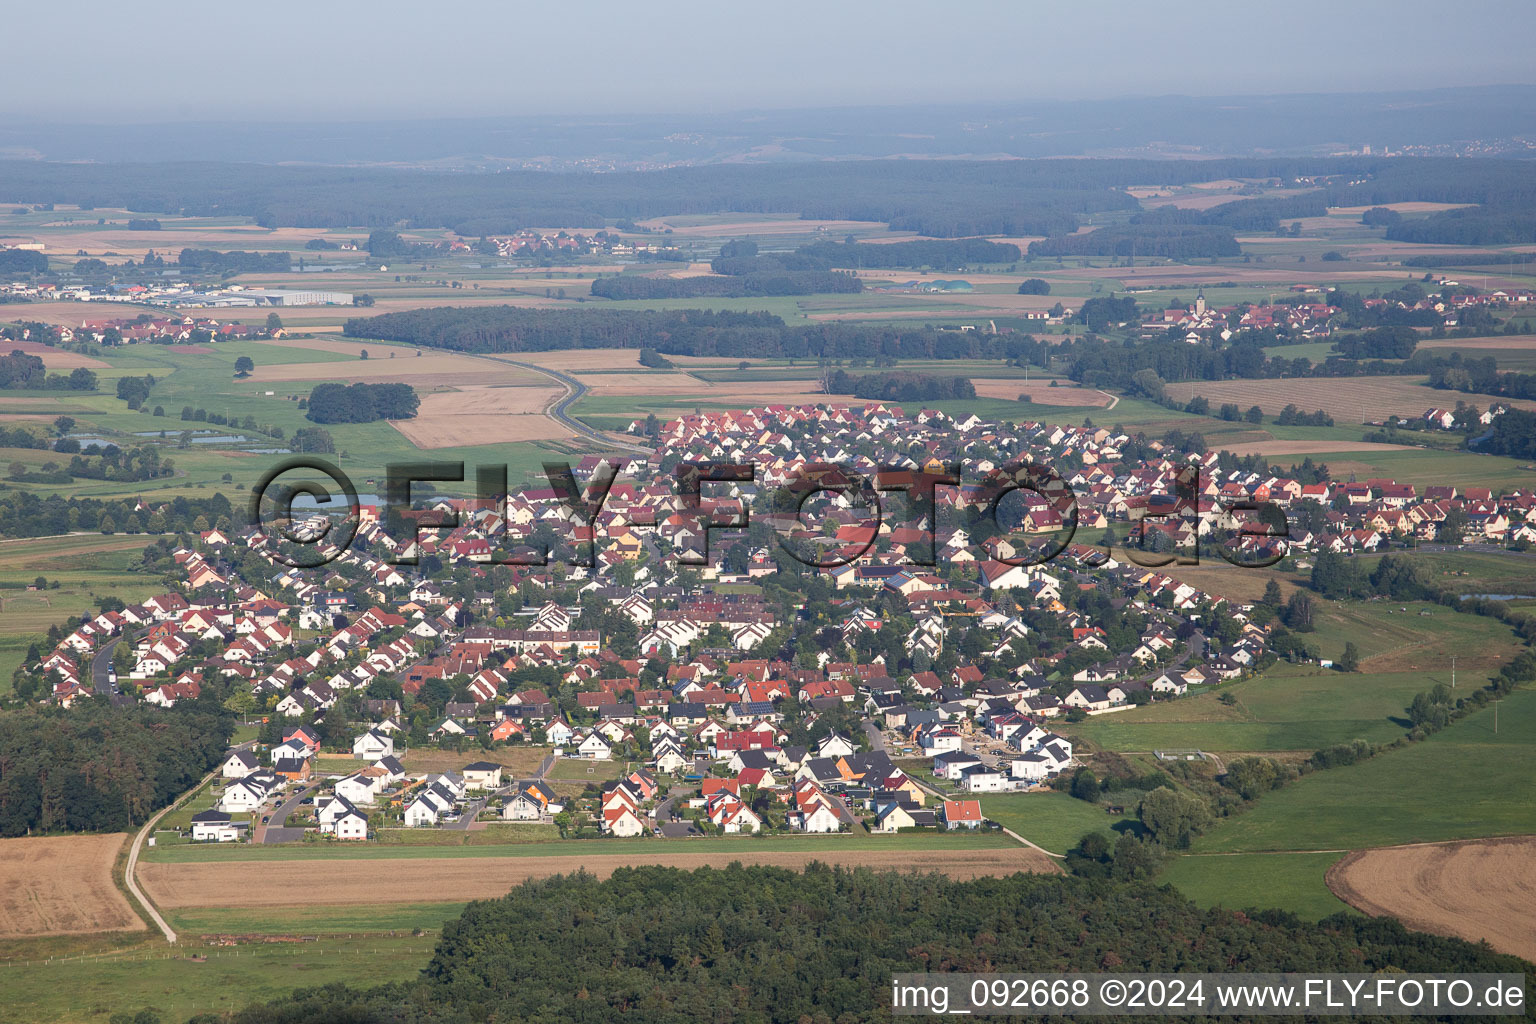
646,670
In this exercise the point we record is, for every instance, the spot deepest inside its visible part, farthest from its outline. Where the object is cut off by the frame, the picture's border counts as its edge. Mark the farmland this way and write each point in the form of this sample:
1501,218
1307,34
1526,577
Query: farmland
1281,881
346,881
1466,781
61,885
1481,889
1346,399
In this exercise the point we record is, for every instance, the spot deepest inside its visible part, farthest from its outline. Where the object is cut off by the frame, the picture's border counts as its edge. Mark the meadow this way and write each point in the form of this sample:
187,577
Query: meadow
1466,781
1052,821
1263,881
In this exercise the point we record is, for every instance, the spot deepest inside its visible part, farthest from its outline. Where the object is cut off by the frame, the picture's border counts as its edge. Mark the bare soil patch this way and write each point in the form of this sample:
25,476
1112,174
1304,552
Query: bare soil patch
283,883
53,358
1482,889
62,885
1040,392
431,369
1308,447
1509,342
483,415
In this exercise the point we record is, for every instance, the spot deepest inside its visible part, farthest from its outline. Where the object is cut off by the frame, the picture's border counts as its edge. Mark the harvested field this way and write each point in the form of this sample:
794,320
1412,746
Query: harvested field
53,358
281,883
595,359
1309,447
483,415
434,369
1512,342
1481,889
689,390
1346,399
71,313
62,885
1040,392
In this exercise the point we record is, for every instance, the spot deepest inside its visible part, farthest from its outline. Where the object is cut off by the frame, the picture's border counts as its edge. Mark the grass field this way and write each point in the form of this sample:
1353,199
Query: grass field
1464,782
1281,881
1303,708
87,567
1052,821
197,978
1275,712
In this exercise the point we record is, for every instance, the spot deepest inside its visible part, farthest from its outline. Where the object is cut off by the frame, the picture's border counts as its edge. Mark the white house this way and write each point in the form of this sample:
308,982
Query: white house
351,825
622,821
215,826
242,796
240,764
482,775
373,745
982,779
595,747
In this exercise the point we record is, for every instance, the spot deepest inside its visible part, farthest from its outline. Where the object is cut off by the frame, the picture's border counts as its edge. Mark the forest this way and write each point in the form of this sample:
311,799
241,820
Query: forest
1514,434
1171,240
900,386
25,514
764,945
361,403
947,199
671,332
96,768
216,262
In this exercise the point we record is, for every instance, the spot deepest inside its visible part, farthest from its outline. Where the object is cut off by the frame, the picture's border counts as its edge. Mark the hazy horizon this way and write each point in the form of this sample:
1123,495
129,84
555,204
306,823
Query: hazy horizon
390,61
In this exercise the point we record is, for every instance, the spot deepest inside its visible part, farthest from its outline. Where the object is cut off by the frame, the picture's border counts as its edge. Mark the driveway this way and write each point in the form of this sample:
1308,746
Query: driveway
466,817
275,831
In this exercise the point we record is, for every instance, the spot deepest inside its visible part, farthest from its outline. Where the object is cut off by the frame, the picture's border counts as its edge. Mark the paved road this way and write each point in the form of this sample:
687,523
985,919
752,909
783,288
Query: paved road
143,833
275,831
101,668
544,767
466,818
559,411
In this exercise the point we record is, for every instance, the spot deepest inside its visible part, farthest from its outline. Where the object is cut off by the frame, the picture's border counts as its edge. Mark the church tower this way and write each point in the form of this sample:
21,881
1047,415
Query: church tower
1200,303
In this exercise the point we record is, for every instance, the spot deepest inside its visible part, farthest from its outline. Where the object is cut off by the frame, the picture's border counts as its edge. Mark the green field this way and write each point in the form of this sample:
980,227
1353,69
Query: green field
1464,782
172,982
1262,881
1052,821
1274,712
88,568
1301,707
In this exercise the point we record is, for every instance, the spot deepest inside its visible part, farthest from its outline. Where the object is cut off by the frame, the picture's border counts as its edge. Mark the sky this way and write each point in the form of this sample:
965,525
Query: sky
318,60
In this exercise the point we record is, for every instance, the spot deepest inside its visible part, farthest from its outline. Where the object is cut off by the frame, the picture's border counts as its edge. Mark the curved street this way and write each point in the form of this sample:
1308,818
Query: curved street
559,409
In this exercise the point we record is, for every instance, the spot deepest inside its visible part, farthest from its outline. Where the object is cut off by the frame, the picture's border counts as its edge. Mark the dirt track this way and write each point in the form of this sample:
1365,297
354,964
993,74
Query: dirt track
61,885
284,883
1482,889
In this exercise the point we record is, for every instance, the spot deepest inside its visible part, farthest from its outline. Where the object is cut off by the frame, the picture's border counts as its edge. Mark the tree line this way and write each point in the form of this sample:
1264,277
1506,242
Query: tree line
900,386
215,262
689,332
770,945
24,514
95,768
361,403
949,199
